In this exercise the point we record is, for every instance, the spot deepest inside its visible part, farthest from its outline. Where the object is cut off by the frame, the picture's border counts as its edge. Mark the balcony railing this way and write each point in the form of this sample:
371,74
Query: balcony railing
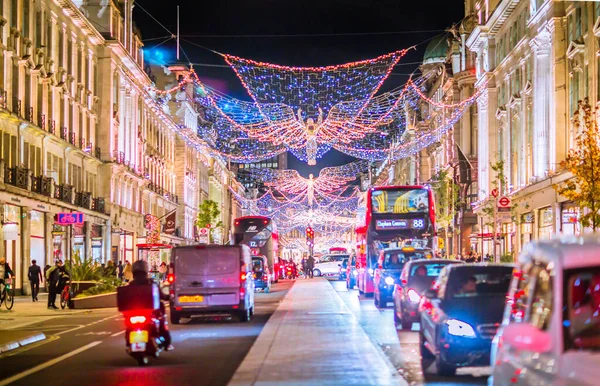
16,106
52,127
42,121
17,176
119,157
83,199
72,140
64,133
64,193
3,102
29,113
98,204
42,185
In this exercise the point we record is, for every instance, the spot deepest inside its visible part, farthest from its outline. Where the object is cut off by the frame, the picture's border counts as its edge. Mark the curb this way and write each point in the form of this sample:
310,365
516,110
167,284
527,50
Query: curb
36,337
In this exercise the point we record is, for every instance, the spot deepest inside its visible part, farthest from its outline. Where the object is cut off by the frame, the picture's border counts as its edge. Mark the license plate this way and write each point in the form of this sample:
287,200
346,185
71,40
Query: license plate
138,347
191,299
138,337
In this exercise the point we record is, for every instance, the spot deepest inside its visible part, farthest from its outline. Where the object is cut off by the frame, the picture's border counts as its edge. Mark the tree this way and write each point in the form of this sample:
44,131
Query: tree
446,194
208,213
583,160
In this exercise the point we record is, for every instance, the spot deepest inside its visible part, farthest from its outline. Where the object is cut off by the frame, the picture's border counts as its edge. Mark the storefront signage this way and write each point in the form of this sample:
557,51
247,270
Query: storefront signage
400,224
570,217
23,201
69,218
203,235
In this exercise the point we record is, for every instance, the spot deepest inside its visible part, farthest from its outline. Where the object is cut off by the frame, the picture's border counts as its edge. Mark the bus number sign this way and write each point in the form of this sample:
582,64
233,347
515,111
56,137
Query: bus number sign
400,224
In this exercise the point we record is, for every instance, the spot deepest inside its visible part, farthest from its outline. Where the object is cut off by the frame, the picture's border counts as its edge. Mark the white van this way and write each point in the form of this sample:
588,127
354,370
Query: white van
211,279
550,333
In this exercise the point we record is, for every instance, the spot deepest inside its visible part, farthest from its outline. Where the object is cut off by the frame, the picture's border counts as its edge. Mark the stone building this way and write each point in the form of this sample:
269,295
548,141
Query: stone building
535,60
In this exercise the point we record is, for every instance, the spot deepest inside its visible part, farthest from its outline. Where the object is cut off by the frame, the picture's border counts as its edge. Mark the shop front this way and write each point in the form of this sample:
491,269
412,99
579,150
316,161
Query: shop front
546,223
526,228
12,228
569,219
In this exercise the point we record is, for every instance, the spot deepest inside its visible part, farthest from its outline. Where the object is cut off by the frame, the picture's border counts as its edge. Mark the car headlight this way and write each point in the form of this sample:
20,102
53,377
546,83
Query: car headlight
355,273
389,280
459,328
371,271
413,296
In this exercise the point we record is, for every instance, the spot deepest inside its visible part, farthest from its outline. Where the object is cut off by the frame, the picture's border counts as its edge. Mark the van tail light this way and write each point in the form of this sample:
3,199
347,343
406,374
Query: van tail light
242,292
243,276
413,296
171,278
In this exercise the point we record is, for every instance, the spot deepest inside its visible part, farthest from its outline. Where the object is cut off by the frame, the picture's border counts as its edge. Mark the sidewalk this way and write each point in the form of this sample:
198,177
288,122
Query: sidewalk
313,339
26,312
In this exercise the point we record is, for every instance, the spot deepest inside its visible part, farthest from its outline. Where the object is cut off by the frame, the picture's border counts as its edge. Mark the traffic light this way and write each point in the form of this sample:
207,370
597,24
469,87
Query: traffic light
310,236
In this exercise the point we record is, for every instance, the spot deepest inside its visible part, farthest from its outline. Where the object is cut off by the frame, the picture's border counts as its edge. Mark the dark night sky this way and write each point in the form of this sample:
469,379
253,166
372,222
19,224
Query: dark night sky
292,17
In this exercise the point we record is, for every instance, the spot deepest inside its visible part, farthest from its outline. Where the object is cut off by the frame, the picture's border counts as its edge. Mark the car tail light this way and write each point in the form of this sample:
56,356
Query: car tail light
137,319
265,277
237,222
243,276
265,222
242,292
413,296
171,278
404,282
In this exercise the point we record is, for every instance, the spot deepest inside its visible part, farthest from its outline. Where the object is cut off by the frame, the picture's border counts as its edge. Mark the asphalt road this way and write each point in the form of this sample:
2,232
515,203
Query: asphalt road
90,350
401,347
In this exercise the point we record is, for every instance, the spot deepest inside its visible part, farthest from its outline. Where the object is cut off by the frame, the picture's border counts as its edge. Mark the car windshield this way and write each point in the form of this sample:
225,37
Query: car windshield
394,260
582,315
257,265
332,258
479,281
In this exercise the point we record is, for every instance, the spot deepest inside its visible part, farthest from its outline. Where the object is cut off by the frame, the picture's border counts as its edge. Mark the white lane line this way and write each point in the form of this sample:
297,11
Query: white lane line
51,362
118,333
86,325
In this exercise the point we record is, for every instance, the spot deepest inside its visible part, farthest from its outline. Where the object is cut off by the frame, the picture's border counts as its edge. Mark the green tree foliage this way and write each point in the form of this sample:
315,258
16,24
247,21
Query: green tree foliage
583,160
208,213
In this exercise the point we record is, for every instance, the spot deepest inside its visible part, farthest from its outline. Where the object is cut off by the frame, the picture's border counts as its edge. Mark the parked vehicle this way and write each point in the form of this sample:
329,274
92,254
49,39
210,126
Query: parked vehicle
416,277
460,315
550,333
387,274
211,280
261,274
329,265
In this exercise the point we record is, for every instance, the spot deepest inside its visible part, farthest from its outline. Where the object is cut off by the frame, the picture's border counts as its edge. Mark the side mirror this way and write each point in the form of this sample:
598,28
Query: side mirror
525,337
430,293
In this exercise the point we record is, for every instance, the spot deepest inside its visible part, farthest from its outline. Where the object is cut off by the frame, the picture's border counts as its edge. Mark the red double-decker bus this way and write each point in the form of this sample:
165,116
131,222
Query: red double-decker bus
260,234
395,216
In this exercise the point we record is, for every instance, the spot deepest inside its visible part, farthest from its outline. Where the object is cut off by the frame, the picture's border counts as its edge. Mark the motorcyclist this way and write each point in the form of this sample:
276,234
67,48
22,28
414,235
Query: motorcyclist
140,277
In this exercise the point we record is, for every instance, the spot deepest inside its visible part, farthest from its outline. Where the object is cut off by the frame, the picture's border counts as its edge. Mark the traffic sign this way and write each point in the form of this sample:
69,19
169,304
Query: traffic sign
203,235
495,193
69,218
504,202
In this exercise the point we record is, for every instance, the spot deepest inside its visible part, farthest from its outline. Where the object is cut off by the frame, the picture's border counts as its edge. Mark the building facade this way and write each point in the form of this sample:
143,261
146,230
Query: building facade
535,61
82,132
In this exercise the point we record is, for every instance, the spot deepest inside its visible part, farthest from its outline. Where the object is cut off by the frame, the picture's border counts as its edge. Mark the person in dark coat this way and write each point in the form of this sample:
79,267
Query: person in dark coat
5,272
53,279
310,264
35,278
120,270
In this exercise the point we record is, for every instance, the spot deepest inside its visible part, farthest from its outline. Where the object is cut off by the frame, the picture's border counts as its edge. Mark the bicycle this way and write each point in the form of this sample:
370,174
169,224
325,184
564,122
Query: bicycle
8,296
65,296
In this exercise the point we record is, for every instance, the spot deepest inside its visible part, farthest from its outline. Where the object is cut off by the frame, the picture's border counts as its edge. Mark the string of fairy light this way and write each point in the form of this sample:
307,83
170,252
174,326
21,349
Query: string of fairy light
310,110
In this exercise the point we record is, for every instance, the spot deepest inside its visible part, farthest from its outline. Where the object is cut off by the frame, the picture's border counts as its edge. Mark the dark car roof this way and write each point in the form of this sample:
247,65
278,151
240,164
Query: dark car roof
435,261
476,267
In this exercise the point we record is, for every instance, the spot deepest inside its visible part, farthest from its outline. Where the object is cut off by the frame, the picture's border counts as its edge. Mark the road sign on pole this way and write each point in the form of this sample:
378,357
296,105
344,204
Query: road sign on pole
495,193
203,236
504,202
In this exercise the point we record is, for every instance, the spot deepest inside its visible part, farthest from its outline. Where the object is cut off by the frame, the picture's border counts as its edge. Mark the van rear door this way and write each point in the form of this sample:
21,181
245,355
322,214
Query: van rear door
207,276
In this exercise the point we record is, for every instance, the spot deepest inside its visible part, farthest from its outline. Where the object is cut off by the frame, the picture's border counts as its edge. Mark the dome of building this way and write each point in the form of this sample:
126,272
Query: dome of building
437,50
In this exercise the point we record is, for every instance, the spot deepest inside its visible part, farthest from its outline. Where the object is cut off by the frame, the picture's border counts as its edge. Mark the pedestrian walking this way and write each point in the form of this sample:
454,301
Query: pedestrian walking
127,271
110,269
35,277
310,264
303,265
53,280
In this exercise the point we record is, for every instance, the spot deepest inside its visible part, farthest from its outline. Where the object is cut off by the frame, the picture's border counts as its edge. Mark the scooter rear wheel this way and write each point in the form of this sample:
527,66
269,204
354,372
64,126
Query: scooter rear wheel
142,360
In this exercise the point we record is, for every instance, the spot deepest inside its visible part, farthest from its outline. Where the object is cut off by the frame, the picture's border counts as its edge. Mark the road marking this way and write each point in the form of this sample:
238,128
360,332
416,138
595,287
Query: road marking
118,333
95,333
51,362
87,325
20,350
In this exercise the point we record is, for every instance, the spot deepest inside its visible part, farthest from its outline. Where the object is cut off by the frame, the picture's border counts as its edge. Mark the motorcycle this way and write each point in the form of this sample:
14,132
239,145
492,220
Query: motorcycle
142,325
290,272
